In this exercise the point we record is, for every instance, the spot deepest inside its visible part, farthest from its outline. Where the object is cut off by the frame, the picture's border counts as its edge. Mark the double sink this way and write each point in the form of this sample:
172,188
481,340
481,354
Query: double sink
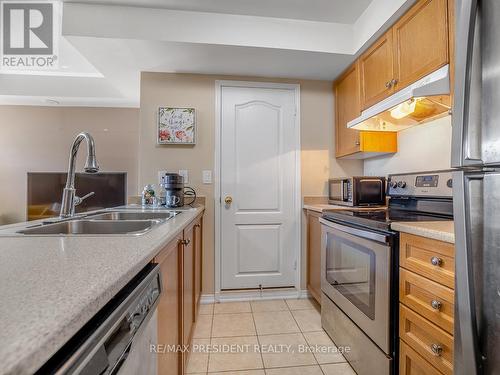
102,223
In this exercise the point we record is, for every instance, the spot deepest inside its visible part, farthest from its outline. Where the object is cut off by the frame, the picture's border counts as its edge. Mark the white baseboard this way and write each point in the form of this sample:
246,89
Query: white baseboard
206,299
254,295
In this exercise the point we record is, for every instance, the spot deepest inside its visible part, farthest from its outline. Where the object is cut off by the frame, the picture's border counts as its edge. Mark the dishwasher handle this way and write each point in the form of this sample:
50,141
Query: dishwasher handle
121,360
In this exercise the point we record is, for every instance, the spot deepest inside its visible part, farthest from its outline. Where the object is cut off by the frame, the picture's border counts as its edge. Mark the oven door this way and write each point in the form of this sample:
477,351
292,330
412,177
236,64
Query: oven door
355,274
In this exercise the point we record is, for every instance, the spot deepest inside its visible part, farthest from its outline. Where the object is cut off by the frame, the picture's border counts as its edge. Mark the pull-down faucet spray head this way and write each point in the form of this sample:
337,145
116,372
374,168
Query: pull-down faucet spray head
69,199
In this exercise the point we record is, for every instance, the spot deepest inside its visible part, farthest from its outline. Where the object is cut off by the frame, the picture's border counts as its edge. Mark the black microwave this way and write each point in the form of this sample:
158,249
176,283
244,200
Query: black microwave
357,191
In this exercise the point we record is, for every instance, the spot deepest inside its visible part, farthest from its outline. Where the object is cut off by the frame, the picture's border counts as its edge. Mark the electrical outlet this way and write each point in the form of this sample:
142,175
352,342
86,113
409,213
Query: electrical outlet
160,175
184,173
207,177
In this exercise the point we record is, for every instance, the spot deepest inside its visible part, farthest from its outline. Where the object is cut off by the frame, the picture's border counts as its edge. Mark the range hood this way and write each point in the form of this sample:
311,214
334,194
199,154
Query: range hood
420,102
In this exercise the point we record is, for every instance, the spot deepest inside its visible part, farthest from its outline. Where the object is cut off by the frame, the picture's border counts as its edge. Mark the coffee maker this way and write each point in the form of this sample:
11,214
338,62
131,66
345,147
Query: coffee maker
175,191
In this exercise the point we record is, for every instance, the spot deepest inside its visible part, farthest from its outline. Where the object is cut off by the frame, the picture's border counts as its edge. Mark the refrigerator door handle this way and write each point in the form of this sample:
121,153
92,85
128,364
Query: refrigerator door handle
465,129
466,351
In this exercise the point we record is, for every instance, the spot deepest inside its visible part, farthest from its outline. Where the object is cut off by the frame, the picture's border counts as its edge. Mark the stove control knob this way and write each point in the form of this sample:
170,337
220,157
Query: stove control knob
449,183
393,184
401,184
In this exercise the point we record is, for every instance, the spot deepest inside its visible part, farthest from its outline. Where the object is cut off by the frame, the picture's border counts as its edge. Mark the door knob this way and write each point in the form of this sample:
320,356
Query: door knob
228,200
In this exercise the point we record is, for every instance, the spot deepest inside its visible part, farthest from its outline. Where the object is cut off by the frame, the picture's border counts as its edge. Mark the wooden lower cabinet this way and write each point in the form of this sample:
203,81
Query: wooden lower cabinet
314,254
411,363
427,339
426,308
180,265
169,320
187,304
198,256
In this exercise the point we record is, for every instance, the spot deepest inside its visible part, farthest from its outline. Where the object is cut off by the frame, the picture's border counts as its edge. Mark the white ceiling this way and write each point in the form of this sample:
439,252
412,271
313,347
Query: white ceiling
341,11
104,48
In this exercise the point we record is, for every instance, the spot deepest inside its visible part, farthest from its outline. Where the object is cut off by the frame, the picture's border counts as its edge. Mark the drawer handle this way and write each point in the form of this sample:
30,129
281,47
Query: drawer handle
437,349
436,305
436,261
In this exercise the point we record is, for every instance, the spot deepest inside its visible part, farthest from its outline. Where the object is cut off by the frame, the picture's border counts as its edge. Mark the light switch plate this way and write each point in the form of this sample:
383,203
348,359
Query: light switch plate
207,177
184,173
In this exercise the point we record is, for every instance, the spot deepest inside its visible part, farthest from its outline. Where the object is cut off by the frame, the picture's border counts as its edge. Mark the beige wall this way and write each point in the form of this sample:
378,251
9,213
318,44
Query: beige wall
198,91
37,139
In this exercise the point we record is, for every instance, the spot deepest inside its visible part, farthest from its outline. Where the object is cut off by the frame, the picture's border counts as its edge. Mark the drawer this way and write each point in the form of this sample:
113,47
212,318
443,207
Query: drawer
431,342
412,363
428,298
429,258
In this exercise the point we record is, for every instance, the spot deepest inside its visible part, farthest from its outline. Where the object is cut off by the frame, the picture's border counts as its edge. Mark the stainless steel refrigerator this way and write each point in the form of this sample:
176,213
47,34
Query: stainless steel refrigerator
476,187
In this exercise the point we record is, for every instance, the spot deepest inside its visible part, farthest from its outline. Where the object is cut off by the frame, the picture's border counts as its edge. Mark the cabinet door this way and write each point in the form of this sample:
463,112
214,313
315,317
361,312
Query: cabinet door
420,41
187,285
314,254
376,71
198,240
411,363
169,307
347,108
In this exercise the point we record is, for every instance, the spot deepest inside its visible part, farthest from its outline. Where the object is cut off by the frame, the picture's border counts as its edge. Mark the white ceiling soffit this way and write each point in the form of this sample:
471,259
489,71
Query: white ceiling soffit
133,56
340,11
121,41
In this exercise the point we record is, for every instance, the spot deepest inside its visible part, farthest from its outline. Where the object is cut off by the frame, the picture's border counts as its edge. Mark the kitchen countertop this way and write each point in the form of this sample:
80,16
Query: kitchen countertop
318,207
51,286
437,230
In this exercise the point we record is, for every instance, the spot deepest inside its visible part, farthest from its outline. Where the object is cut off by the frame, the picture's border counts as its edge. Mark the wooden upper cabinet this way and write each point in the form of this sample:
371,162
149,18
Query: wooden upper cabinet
377,71
347,108
420,41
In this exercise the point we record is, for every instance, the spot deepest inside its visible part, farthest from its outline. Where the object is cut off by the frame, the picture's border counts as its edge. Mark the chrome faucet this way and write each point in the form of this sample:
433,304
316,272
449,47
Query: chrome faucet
69,198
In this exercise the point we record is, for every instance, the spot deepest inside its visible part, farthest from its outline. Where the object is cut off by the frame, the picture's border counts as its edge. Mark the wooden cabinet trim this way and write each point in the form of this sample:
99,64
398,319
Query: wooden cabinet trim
420,334
416,253
418,293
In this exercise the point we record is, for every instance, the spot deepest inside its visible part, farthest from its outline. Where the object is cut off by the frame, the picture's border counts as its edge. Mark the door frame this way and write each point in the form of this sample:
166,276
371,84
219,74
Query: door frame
219,84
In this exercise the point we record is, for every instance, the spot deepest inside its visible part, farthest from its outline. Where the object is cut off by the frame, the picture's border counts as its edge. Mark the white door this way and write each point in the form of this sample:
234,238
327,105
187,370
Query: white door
259,142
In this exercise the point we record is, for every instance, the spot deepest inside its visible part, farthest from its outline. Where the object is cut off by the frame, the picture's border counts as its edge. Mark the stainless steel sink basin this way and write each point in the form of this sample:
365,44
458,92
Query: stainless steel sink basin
119,215
92,227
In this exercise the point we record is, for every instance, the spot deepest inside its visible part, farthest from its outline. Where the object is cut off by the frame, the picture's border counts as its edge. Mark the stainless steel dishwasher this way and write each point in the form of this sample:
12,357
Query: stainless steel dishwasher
118,339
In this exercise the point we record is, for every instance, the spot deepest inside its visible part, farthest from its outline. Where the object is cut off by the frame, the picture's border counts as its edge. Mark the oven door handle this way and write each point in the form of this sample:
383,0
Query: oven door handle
379,237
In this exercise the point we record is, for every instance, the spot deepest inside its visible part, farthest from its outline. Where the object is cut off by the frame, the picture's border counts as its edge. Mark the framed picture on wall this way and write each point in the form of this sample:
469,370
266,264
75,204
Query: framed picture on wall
176,126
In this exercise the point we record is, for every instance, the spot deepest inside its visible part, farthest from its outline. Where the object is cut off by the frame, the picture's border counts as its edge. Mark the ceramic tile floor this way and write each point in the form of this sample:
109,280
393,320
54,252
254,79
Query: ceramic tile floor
272,337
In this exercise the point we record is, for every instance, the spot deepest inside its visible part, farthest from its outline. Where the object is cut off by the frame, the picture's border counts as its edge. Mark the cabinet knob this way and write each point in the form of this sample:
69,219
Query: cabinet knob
436,305
197,225
436,261
394,82
357,143
437,349
388,84
185,242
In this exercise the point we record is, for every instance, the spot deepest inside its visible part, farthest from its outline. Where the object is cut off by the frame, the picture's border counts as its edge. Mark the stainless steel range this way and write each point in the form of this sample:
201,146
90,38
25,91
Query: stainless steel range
359,261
